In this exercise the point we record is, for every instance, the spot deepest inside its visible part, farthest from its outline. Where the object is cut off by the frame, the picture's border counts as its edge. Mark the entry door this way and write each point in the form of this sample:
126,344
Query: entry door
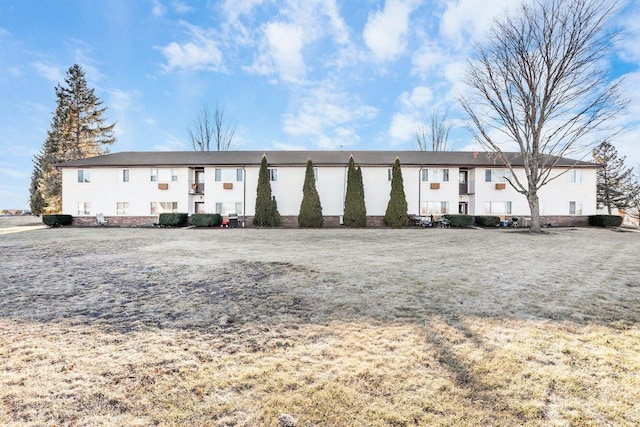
199,208
463,208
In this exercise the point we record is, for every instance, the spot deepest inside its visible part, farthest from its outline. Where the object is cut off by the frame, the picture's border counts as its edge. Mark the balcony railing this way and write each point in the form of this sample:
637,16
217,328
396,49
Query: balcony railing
196,187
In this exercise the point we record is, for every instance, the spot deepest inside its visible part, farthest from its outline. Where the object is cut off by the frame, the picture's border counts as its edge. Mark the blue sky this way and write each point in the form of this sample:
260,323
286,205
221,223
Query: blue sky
293,74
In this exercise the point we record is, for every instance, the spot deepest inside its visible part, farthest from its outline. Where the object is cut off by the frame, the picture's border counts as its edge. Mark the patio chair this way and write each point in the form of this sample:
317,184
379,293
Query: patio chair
100,219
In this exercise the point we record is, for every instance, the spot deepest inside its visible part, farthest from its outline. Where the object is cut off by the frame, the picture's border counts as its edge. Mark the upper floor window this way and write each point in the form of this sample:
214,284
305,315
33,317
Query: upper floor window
389,174
228,175
124,175
435,175
84,175
496,175
575,176
273,174
164,175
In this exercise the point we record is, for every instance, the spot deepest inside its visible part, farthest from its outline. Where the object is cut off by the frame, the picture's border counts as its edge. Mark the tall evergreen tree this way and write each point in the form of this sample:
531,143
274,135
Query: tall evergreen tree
266,211
78,130
355,212
396,214
613,178
36,201
310,208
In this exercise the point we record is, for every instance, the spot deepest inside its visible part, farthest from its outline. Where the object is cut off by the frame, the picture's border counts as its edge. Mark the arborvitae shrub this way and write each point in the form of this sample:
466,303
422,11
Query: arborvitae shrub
266,210
310,209
605,220
173,219
355,212
55,220
206,220
487,221
459,220
396,214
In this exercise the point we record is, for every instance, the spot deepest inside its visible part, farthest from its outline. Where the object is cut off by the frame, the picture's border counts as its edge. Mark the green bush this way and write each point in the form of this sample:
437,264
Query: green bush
487,221
206,220
56,220
605,220
459,220
173,219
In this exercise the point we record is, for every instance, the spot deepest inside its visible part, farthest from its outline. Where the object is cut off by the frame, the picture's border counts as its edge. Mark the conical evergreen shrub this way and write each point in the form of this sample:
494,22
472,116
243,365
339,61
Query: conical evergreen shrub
266,211
310,208
355,212
396,214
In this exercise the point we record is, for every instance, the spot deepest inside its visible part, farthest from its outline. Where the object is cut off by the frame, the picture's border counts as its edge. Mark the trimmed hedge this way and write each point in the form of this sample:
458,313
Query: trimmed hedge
459,220
487,221
173,219
57,219
605,220
206,220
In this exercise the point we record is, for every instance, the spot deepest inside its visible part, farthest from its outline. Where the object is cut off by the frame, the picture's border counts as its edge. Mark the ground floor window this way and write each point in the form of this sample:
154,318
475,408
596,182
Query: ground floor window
122,208
497,208
227,208
163,207
575,208
84,208
434,208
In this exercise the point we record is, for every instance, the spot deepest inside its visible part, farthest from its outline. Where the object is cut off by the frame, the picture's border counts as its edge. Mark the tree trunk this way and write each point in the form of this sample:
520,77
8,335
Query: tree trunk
534,206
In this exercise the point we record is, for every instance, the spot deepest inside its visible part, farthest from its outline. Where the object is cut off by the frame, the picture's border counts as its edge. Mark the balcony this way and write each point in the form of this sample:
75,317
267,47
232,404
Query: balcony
467,187
196,187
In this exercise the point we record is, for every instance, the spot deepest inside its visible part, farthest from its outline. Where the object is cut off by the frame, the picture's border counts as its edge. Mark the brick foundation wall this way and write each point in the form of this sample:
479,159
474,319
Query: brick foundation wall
116,221
291,221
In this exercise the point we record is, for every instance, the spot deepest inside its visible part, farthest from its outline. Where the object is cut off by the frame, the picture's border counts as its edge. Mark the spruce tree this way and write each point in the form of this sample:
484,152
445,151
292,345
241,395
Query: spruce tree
613,178
78,130
310,208
396,214
355,213
266,211
36,201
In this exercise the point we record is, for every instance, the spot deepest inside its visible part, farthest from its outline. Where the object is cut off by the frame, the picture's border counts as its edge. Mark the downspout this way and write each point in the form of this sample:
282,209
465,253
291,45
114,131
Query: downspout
244,196
420,189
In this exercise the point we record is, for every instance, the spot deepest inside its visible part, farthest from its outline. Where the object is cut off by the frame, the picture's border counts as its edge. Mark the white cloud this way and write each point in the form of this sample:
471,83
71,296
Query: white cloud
284,52
328,118
158,8
414,107
51,72
428,58
630,34
172,143
201,53
464,19
385,32
181,7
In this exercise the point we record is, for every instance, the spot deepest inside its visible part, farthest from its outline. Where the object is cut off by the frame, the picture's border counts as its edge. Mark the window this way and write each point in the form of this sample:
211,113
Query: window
218,175
497,208
273,174
84,175
122,208
389,174
227,208
84,208
575,208
228,175
163,207
124,175
496,175
239,174
575,176
434,208
315,174
435,175
164,175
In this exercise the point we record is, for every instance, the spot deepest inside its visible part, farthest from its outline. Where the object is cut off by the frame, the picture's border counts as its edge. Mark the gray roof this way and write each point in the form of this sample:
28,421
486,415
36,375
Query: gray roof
297,158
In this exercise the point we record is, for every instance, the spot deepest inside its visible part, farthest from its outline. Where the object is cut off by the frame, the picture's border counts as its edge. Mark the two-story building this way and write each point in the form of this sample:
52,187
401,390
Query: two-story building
132,188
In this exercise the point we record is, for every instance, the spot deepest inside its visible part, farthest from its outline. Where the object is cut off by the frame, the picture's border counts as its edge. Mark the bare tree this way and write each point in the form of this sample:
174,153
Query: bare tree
210,130
436,136
538,83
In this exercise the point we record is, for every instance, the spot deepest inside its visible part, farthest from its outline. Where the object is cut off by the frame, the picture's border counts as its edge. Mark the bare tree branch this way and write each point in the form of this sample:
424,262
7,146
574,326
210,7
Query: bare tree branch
435,137
210,130
539,84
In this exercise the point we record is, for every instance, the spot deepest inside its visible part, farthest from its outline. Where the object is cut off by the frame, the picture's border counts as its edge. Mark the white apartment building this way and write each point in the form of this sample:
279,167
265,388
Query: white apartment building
134,187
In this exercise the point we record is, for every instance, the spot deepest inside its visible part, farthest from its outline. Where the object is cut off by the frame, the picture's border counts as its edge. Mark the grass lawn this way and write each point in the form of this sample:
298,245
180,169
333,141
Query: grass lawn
337,327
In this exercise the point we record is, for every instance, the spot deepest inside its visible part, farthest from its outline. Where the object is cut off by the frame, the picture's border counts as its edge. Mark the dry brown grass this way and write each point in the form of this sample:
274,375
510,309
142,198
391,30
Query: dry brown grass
327,327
